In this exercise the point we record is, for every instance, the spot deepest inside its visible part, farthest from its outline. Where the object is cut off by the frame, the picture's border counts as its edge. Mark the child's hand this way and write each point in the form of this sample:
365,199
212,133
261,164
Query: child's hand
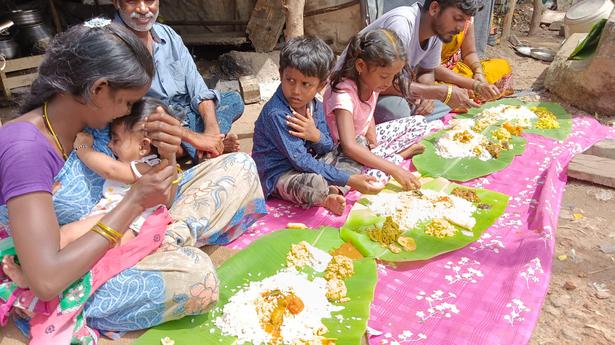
365,184
303,127
83,139
406,179
371,135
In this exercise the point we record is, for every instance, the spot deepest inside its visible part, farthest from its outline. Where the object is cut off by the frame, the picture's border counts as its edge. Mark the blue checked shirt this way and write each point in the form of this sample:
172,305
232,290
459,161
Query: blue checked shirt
276,151
177,81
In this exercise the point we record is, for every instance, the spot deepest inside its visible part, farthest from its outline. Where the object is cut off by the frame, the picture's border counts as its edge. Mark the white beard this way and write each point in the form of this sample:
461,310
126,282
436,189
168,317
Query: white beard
128,20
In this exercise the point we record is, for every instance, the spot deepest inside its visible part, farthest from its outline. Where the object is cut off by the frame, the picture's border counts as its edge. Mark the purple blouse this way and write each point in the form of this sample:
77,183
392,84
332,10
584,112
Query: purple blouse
28,161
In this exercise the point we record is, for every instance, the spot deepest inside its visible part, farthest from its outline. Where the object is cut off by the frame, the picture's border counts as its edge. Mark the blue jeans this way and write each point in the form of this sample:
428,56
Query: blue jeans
391,108
228,110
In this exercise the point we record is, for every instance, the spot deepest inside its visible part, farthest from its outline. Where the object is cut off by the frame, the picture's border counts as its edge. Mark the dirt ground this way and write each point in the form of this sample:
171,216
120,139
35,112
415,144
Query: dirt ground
580,299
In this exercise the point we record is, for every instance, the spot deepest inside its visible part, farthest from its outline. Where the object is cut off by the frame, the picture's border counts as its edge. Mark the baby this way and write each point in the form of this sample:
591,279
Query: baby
135,156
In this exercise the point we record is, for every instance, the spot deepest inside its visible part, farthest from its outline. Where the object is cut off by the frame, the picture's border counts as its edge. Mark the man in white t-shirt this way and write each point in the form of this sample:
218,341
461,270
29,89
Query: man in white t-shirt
422,29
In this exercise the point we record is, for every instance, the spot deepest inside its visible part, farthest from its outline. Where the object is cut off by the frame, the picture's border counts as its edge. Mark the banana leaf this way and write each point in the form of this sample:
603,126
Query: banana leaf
262,259
563,117
429,163
362,218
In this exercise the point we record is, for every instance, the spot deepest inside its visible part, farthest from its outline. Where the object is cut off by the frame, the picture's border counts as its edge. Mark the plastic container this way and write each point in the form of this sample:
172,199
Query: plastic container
583,15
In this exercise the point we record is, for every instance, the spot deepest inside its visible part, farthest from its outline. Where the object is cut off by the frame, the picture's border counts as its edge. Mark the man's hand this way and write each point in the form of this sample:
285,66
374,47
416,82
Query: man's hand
460,100
303,127
424,106
365,184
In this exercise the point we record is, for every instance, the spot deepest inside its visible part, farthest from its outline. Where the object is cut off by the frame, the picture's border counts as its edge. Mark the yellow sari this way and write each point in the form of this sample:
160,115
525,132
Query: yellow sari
497,71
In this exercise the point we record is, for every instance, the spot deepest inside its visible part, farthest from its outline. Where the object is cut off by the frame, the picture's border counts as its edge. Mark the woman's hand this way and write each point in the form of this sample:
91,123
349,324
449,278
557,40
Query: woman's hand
487,92
406,179
480,77
154,187
164,131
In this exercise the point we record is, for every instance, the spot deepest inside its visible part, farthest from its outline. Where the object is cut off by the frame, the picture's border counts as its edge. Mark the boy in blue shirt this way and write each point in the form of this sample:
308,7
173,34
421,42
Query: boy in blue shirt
293,149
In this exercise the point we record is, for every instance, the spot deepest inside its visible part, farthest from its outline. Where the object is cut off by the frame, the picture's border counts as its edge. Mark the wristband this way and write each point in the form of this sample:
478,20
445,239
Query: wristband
79,147
133,167
475,85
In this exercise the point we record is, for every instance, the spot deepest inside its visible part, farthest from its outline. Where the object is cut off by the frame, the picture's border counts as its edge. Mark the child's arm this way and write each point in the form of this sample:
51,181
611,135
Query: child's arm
293,149
372,138
364,156
103,165
72,231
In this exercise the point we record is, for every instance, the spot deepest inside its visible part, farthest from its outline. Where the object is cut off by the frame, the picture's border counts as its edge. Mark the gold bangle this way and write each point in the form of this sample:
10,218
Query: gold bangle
112,236
104,234
448,94
179,175
109,230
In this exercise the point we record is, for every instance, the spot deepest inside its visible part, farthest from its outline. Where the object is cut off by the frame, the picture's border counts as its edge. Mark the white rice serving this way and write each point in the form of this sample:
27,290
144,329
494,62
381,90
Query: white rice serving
409,210
240,318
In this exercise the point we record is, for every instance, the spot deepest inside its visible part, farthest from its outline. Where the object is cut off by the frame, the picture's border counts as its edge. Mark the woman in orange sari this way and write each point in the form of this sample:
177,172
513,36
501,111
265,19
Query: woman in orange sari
488,79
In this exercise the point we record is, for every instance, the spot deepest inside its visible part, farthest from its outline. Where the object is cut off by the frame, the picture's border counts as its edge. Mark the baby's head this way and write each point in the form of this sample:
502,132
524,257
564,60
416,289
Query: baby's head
305,65
128,140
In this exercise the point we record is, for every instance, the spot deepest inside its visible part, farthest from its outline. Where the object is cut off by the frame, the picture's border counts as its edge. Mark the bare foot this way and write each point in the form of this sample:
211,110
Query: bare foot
231,143
335,203
414,149
13,271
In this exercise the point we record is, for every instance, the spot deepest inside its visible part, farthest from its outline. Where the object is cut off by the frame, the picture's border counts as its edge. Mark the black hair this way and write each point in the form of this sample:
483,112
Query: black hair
468,7
309,55
379,47
139,111
77,58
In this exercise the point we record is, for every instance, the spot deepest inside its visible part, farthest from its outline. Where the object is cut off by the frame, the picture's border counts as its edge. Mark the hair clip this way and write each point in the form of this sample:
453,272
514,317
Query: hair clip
97,22
151,160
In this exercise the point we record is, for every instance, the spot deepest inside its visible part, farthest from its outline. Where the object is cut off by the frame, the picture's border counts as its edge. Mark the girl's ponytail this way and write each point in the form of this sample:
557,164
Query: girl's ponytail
379,47
347,70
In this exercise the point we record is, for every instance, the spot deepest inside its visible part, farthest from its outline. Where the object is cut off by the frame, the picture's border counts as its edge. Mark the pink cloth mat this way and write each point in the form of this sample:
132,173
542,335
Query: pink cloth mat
489,292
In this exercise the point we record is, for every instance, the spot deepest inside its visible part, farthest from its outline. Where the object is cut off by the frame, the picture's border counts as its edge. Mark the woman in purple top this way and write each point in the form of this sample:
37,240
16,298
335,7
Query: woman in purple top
109,70
92,74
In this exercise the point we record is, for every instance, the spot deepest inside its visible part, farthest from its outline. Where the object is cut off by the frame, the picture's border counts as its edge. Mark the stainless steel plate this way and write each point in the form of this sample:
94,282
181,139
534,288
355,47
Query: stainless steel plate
524,50
543,54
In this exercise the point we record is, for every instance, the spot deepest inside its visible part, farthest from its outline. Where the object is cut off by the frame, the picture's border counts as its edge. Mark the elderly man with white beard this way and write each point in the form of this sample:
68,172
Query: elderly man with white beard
208,113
